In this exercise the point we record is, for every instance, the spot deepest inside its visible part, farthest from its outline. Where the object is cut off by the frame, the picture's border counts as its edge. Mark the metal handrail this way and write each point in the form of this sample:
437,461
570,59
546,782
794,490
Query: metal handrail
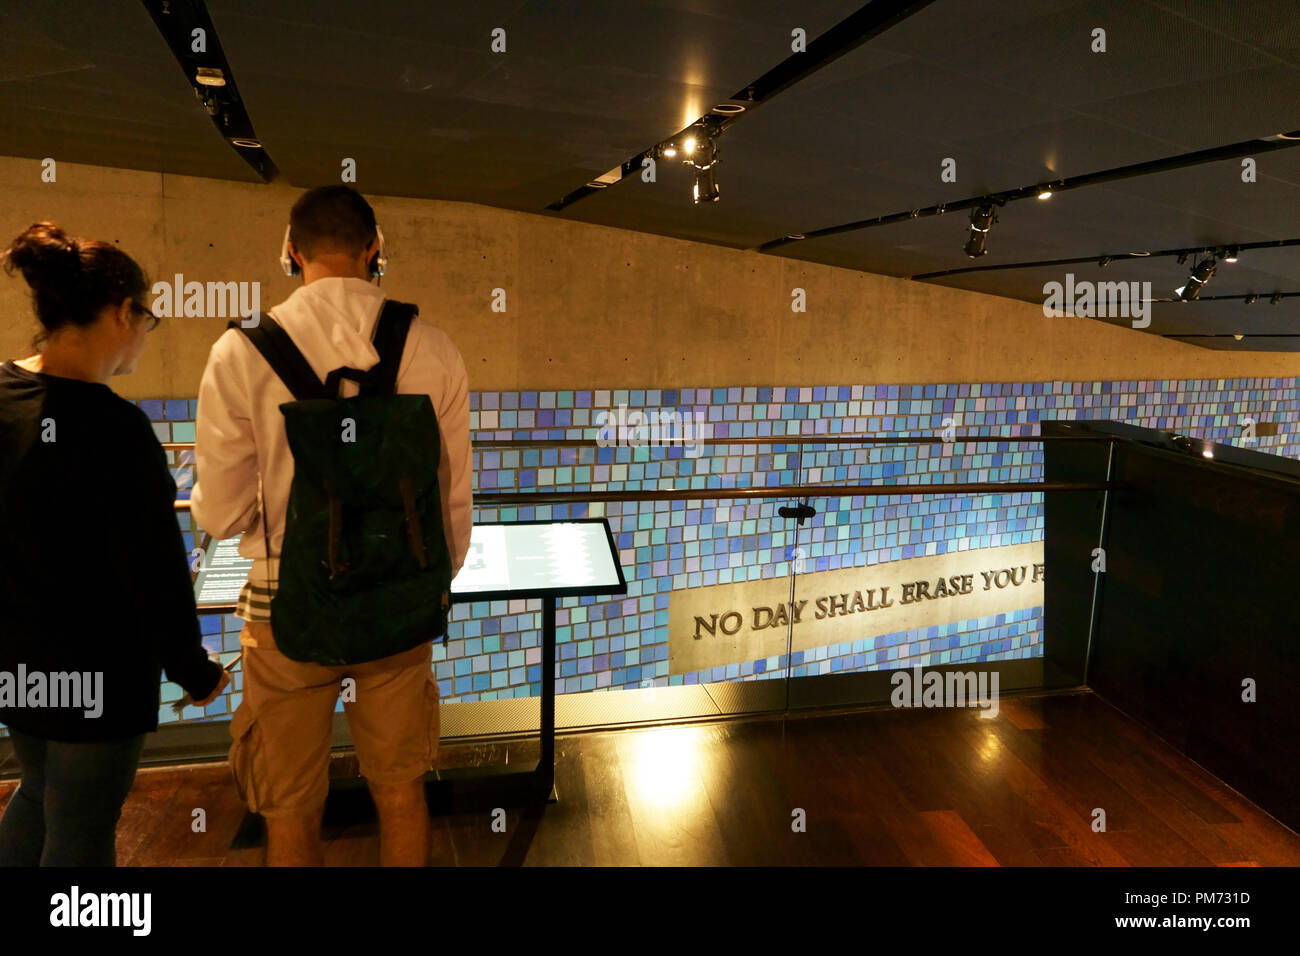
820,490
505,498
761,440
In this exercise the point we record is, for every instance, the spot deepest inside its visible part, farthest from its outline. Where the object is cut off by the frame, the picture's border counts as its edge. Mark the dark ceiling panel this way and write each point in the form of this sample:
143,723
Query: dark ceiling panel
1013,93
95,83
1151,47
418,98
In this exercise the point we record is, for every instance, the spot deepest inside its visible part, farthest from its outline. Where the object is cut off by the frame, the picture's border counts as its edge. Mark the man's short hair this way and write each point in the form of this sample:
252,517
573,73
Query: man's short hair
331,219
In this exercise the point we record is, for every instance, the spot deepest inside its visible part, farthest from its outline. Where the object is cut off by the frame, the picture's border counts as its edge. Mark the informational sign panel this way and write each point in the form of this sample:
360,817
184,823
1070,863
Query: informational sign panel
748,620
219,573
516,559
540,557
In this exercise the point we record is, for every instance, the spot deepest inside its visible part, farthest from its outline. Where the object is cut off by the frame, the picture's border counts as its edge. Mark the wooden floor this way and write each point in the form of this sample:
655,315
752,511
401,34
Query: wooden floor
884,787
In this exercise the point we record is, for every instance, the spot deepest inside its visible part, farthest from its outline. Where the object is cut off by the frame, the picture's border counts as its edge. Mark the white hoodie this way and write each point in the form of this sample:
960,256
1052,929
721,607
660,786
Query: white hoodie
240,435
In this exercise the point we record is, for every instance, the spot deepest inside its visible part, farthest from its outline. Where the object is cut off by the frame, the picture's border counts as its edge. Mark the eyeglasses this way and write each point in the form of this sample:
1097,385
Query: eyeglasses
153,319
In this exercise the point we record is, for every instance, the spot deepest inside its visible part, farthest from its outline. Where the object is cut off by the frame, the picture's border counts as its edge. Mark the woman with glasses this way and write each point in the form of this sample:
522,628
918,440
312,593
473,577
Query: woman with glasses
95,593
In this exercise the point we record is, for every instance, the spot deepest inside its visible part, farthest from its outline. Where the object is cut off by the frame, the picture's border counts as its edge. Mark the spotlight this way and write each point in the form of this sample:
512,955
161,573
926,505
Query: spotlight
688,147
1104,261
1044,192
981,221
1238,336
706,187
1251,298
704,159
1196,281
1182,259
209,76
1277,297
1230,255
670,151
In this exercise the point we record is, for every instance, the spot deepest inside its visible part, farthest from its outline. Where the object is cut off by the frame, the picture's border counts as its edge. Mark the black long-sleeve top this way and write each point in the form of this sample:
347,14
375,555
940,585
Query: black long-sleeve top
94,575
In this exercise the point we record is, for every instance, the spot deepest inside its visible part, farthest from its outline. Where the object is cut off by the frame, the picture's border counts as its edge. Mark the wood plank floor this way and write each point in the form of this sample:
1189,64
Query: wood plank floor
883,787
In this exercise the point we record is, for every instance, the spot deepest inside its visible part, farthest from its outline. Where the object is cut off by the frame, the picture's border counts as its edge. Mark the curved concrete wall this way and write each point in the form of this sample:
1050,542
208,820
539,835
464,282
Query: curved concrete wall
585,305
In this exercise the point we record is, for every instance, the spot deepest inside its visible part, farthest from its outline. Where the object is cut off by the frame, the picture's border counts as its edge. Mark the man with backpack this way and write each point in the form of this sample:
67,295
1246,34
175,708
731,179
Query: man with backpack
334,435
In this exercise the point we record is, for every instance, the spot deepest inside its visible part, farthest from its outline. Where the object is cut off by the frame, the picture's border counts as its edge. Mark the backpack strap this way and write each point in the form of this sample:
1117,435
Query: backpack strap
285,359
273,342
390,339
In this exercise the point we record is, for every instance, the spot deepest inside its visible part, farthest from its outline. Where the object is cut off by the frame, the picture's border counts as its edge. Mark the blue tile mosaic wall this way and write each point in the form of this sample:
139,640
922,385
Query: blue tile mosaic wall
493,649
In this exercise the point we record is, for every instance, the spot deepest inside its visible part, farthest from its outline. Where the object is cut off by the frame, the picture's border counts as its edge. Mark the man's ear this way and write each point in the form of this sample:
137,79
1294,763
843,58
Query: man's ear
294,255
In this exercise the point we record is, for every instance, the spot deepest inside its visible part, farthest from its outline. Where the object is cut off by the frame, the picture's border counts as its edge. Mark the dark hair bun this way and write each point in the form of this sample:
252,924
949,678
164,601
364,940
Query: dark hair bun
48,259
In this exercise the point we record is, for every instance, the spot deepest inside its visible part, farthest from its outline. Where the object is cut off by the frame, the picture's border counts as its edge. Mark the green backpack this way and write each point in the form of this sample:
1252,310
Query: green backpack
365,571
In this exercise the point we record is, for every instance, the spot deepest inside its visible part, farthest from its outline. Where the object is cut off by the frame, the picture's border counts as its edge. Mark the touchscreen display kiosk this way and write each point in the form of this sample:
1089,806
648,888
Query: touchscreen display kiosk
518,559
535,558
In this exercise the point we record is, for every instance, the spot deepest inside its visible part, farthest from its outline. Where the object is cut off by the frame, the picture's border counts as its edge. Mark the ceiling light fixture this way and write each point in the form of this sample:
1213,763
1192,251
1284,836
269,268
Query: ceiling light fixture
701,148
1251,298
1044,192
606,179
1277,297
1104,261
1197,279
982,219
209,76
703,152
706,187
1230,254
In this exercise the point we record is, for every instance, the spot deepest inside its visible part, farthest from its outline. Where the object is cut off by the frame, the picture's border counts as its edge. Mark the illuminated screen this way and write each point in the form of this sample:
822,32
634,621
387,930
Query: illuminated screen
220,573
544,557
574,557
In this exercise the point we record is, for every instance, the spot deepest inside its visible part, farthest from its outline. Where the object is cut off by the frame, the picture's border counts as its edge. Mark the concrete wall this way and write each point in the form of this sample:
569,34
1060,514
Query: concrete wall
586,305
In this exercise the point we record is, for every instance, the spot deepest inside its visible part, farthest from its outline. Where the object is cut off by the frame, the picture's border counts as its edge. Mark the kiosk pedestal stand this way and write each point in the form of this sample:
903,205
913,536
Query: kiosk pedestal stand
524,559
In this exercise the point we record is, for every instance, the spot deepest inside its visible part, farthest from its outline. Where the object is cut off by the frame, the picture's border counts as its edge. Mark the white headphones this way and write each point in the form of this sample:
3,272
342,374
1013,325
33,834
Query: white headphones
378,264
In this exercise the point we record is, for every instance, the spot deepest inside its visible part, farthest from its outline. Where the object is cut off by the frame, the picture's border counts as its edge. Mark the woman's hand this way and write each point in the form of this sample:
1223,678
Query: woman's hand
222,684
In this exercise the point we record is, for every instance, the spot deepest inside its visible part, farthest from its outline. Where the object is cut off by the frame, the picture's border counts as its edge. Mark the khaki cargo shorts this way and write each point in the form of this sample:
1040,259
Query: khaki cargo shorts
282,728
